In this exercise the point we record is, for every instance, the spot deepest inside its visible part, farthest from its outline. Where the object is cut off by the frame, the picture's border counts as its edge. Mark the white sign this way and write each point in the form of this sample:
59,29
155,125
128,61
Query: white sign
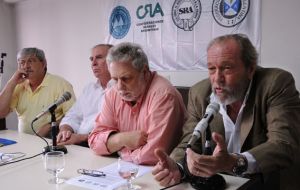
175,33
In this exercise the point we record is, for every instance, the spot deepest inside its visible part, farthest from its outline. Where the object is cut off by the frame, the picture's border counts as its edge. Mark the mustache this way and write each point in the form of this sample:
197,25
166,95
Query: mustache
223,87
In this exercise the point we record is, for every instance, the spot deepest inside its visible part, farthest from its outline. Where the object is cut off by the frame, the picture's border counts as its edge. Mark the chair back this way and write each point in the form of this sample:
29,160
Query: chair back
184,91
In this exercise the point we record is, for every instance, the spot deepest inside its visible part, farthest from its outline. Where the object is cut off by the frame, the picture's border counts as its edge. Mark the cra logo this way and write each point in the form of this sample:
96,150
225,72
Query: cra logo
119,22
186,13
143,11
229,13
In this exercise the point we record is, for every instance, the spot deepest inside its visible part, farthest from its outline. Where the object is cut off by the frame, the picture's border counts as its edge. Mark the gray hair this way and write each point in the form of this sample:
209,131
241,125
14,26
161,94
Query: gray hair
128,51
32,51
248,52
101,45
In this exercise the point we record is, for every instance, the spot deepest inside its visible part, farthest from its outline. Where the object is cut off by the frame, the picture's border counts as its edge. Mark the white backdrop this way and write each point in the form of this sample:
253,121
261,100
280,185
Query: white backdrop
175,33
67,29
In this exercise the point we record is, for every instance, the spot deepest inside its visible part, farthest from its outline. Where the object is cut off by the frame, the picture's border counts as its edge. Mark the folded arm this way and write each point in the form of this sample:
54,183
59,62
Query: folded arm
7,92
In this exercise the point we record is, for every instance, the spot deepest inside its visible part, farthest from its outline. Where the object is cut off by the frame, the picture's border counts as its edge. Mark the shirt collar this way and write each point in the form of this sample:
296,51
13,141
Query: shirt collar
109,84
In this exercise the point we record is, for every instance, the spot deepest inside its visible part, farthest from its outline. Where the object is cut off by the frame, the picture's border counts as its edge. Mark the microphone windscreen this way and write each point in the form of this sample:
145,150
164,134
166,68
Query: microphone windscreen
213,108
67,96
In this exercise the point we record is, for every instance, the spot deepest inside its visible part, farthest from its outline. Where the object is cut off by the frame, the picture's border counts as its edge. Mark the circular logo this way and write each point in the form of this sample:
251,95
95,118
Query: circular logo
186,13
119,22
229,13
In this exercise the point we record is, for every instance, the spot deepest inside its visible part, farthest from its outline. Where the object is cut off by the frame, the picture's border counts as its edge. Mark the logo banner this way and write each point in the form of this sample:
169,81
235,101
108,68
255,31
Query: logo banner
175,33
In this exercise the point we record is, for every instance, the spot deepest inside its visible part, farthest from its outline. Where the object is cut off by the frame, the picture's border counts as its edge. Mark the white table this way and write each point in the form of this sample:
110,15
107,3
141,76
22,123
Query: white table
30,174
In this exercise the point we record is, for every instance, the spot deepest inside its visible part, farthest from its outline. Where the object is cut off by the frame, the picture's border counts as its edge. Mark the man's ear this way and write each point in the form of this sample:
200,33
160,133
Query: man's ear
145,69
45,64
251,70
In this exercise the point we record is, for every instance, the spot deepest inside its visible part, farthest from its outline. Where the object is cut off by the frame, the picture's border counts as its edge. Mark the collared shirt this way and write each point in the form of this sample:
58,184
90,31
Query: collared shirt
232,131
28,104
81,117
160,112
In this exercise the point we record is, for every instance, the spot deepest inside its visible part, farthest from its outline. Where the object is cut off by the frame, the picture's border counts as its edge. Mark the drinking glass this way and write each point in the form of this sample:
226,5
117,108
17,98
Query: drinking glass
128,171
54,164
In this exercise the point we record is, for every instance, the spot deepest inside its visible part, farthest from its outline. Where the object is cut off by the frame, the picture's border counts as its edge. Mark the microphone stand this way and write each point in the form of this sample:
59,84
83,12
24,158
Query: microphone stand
1,67
215,182
54,131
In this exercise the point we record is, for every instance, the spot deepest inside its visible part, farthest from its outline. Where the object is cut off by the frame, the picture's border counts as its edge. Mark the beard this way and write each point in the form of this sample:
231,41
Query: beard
232,94
134,93
129,96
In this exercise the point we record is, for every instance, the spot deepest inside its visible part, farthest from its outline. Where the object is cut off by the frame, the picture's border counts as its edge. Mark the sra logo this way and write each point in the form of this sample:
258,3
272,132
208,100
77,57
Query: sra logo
186,13
119,22
148,9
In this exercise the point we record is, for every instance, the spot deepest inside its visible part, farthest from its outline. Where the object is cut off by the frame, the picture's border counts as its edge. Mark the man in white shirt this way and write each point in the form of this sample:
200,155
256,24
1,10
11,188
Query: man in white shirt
79,120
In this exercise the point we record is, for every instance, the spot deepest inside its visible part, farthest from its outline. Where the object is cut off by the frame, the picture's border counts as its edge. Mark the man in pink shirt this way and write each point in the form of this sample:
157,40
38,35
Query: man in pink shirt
141,112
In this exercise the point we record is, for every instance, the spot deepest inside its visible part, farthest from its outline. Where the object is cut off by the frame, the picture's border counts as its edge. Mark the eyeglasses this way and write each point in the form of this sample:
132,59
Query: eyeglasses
7,157
93,173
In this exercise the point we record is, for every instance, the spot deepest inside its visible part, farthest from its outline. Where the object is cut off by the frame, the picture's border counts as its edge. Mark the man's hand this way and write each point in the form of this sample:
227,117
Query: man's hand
134,139
7,92
74,139
131,140
18,77
64,135
166,171
208,165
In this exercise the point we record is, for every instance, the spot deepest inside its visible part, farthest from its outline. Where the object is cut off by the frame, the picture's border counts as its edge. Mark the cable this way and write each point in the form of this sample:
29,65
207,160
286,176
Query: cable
38,134
170,186
21,154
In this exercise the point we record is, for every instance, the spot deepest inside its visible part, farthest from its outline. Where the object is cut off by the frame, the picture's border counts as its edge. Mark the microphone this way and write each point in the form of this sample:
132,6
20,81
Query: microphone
65,97
205,183
54,128
211,110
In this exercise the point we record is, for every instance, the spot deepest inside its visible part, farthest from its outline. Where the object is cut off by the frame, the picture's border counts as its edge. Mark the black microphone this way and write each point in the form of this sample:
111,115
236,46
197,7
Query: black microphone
54,128
65,97
215,182
2,63
211,110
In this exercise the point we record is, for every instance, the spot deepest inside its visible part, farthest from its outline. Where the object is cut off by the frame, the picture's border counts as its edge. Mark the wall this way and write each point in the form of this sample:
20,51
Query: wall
280,36
67,29
8,45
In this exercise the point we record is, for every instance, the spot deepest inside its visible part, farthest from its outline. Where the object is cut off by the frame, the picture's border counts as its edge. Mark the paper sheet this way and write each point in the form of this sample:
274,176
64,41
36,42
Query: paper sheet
111,181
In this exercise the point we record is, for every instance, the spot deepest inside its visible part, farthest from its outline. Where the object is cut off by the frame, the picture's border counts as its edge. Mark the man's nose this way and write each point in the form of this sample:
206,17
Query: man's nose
26,64
120,85
219,76
93,62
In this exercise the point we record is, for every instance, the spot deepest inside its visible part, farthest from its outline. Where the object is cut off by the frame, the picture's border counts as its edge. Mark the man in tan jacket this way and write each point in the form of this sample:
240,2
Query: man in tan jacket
257,128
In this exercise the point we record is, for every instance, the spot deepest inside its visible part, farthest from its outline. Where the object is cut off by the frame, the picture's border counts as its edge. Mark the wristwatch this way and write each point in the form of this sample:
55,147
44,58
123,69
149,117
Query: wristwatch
241,165
181,170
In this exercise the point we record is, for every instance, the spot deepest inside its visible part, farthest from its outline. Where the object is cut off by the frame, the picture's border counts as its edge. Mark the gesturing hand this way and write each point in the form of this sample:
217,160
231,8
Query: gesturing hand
208,165
166,171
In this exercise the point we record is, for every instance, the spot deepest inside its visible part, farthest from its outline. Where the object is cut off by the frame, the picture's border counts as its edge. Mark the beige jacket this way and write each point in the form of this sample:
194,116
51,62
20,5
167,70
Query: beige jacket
270,127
